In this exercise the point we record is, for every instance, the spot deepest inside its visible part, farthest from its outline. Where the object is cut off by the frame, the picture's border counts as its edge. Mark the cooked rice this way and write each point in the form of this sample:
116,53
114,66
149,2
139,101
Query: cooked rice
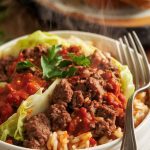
118,133
140,109
61,141
104,140
79,142
52,143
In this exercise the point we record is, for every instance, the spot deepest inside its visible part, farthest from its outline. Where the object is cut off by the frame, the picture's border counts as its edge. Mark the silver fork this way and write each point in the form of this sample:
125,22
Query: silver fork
137,61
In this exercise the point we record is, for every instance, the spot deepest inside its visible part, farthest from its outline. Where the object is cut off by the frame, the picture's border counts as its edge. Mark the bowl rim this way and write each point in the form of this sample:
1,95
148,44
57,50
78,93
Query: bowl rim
76,33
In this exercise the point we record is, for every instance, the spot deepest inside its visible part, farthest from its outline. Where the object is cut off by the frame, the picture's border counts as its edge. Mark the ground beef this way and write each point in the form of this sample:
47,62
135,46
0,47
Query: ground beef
106,112
91,106
32,143
35,71
105,121
80,85
8,64
105,64
120,120
102,128
96,59
4,65
62,92
58,116
84,72
37,131
107,75
98,74
78,99
95,88
34,54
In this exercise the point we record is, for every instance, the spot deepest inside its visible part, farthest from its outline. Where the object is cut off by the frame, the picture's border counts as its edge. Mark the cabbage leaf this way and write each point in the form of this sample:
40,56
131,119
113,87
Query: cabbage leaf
32,40
126,78
3,84
46,39
34,104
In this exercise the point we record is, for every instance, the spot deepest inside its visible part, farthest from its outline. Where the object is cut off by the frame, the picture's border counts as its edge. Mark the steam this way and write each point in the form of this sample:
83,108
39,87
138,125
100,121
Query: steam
55,20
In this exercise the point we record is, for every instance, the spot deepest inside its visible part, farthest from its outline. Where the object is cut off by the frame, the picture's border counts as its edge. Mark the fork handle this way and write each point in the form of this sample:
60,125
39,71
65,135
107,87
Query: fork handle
129,141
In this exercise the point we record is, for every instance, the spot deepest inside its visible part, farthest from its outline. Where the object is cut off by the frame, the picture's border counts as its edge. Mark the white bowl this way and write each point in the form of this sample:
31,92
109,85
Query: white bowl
105,44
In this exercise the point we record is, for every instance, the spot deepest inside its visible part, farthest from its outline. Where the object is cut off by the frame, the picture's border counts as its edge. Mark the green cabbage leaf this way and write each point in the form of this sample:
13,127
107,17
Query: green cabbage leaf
32,40
126,79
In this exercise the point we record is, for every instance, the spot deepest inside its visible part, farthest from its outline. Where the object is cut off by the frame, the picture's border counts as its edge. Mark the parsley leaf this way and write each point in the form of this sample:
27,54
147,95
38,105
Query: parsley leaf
52,52
70,72
80,60
46,67
55,73
65,63
49,63
53,65
24,65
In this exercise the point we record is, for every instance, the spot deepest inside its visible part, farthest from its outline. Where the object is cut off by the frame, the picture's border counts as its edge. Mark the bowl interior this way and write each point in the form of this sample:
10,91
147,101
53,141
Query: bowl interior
101,42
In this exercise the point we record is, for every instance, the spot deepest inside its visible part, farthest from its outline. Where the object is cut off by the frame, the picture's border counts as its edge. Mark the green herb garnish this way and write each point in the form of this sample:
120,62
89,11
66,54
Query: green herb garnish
70,72
53,52
65,63
46,67
80,60
24,65
49,63
53,65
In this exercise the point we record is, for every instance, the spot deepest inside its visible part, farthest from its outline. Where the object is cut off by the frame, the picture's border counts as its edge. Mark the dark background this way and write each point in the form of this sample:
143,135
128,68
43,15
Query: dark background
19,17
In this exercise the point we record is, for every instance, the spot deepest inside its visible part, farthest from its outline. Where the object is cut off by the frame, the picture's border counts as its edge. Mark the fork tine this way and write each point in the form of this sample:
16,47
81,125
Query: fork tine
138,60
129,120
140,64
119,52
124,56
142,52
135,71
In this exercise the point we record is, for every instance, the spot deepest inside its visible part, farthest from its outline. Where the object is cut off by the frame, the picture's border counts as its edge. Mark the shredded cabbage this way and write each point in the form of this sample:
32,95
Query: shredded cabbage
34,104
126,79
48,39
32,40
3,84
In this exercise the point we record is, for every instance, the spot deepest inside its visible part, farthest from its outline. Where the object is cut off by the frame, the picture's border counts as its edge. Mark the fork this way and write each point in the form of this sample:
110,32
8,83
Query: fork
137,62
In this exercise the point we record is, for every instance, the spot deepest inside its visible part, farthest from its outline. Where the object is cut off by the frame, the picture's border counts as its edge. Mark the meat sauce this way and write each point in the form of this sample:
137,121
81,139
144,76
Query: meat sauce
90,90
20,88
24,84
81,122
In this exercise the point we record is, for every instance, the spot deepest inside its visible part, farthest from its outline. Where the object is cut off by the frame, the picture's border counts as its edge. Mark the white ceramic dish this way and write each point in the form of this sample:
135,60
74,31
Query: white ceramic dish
107,44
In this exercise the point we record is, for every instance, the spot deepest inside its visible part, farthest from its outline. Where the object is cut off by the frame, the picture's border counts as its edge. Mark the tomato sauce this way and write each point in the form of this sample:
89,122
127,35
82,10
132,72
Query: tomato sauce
81,122
20,88
72,49
93,142
12,67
